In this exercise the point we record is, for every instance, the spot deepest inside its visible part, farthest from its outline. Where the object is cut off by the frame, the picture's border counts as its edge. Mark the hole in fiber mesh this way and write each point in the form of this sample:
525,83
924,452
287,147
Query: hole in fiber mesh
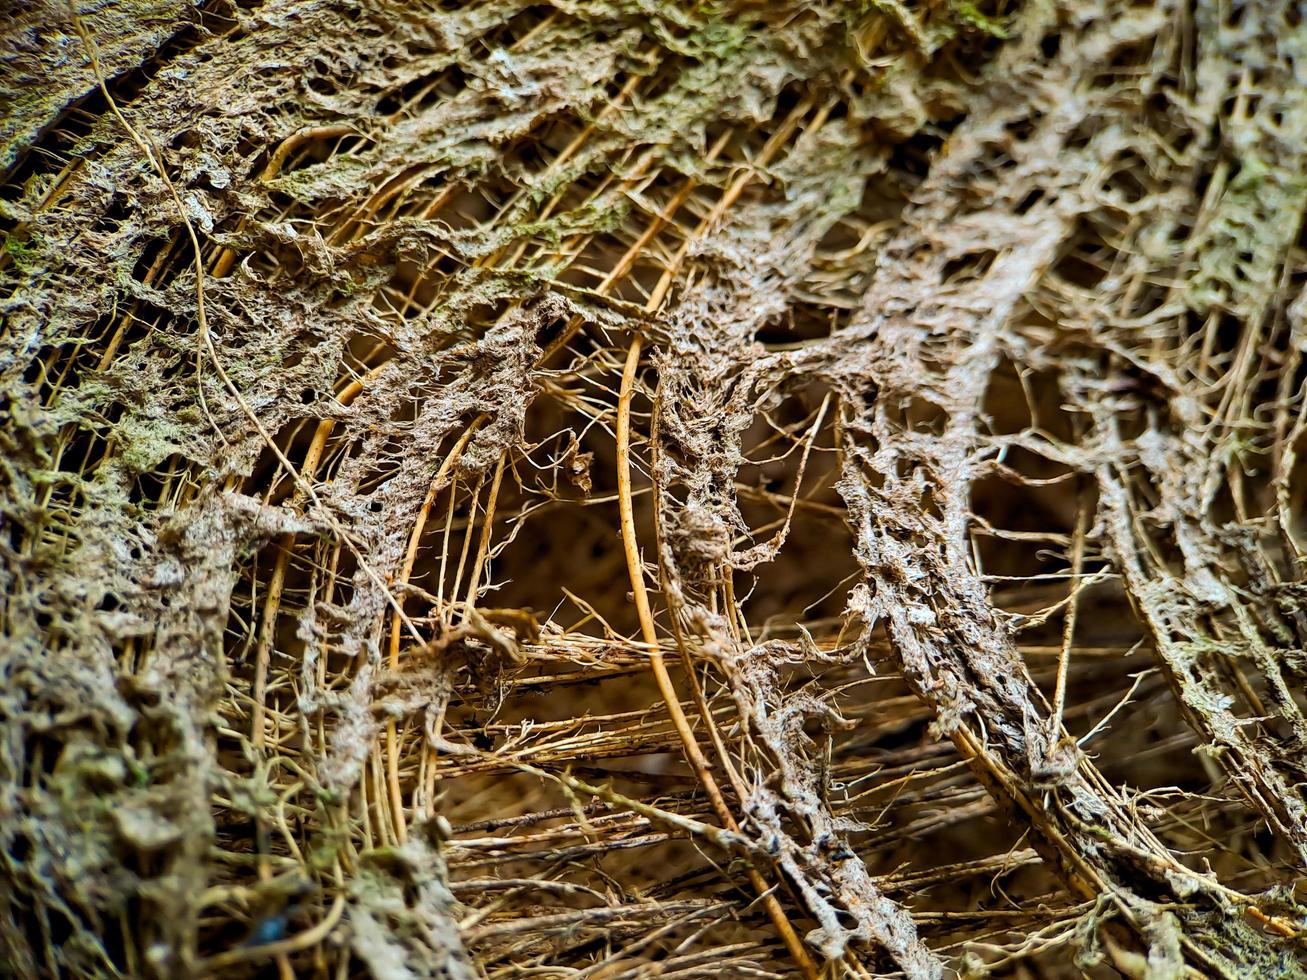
480,317
152,258
808,581
517,27
43,752
1219,335
1007,405
426,89
1126,61
1029,201
1005,503
800,322
913,157
363,353
152,489
1088,263
474,205
1022,129
787,101
1035,399
268,476
881,200
417,288
548,531
1125,181
916,413
318,150
318,79
666,77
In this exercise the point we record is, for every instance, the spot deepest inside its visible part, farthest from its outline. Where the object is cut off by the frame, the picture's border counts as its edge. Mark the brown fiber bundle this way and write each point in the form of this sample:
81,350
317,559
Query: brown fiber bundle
622,488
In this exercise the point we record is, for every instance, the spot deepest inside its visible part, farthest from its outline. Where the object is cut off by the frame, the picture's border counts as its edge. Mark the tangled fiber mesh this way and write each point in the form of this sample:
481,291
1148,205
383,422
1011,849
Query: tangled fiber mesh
613,489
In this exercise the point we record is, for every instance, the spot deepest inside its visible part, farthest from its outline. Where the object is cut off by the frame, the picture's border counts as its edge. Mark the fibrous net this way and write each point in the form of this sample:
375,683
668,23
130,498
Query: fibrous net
619,489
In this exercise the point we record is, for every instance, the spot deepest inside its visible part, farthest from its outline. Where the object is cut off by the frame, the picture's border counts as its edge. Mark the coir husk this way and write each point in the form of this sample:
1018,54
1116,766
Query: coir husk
619,489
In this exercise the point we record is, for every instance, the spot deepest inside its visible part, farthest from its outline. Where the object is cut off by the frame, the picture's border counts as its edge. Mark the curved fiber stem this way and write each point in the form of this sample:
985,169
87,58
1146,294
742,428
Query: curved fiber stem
694,755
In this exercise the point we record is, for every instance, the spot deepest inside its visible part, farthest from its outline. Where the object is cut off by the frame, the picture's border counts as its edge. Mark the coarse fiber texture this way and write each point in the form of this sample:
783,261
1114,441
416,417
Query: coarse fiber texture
618,488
